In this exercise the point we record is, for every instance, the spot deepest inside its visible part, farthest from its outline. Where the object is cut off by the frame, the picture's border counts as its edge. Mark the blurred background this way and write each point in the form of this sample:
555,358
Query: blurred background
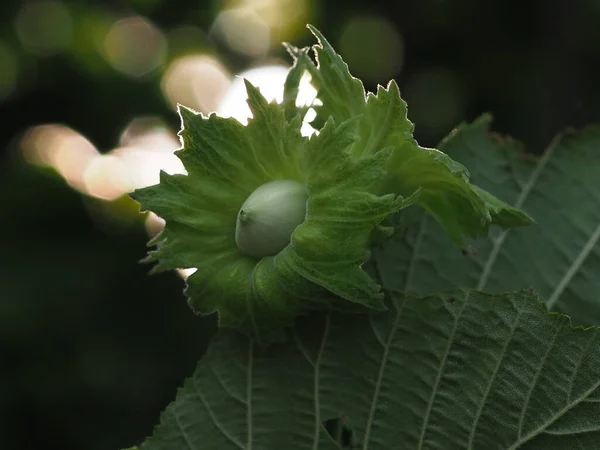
91,348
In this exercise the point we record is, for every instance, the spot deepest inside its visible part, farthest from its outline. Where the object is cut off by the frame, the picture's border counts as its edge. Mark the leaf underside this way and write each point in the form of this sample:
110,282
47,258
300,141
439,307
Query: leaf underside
464,370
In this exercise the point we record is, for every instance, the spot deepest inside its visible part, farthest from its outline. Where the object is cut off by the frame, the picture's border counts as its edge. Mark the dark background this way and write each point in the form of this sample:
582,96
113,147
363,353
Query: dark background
91,347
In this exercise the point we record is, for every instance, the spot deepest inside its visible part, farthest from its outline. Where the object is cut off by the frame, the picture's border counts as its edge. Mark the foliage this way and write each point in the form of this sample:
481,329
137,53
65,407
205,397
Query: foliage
558,257
436,369
362,167
460,370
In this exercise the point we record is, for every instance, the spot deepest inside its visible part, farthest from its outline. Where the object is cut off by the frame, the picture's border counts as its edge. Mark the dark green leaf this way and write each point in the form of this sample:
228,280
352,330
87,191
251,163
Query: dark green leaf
458,371
559,257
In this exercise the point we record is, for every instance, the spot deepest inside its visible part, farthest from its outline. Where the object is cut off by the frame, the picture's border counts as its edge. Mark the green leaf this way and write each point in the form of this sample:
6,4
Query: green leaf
445,190
559,257
343,96
460,371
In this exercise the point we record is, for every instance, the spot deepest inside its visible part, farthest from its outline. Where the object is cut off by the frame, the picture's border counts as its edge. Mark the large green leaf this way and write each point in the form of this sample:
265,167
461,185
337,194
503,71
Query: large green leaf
559,257
459,371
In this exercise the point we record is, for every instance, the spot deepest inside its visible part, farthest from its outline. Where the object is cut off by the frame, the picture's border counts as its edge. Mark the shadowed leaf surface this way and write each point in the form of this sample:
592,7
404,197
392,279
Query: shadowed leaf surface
559,256
464,370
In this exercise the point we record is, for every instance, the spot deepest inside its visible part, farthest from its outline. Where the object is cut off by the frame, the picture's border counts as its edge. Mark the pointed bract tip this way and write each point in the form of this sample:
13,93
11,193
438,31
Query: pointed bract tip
393,86
186,114
291,49
186,110
324,42
255,98
252,90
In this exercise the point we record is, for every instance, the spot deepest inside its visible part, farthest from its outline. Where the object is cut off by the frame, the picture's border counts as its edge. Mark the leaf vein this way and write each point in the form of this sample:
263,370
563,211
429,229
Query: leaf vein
534,382
574,268
183,432
561,413
493,378
214,419
578,366
572,432
499,241
317,375
301,348
382,365
224,386
434,390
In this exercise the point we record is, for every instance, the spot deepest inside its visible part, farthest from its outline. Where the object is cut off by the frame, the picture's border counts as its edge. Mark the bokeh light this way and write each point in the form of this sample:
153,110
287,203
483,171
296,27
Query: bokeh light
146,147
185,273
61,148
270,81
372,47
9,70
244,31
251,27
44,27
134,46
196,81
105,177
280,14
436,100
154,224
283,18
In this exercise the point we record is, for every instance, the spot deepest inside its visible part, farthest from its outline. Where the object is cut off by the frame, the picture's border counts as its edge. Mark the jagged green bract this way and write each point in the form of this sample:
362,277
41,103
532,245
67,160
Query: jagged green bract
446,192
321,266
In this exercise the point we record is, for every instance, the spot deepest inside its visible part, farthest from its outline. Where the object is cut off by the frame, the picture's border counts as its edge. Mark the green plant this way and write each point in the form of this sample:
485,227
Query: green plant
353,320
